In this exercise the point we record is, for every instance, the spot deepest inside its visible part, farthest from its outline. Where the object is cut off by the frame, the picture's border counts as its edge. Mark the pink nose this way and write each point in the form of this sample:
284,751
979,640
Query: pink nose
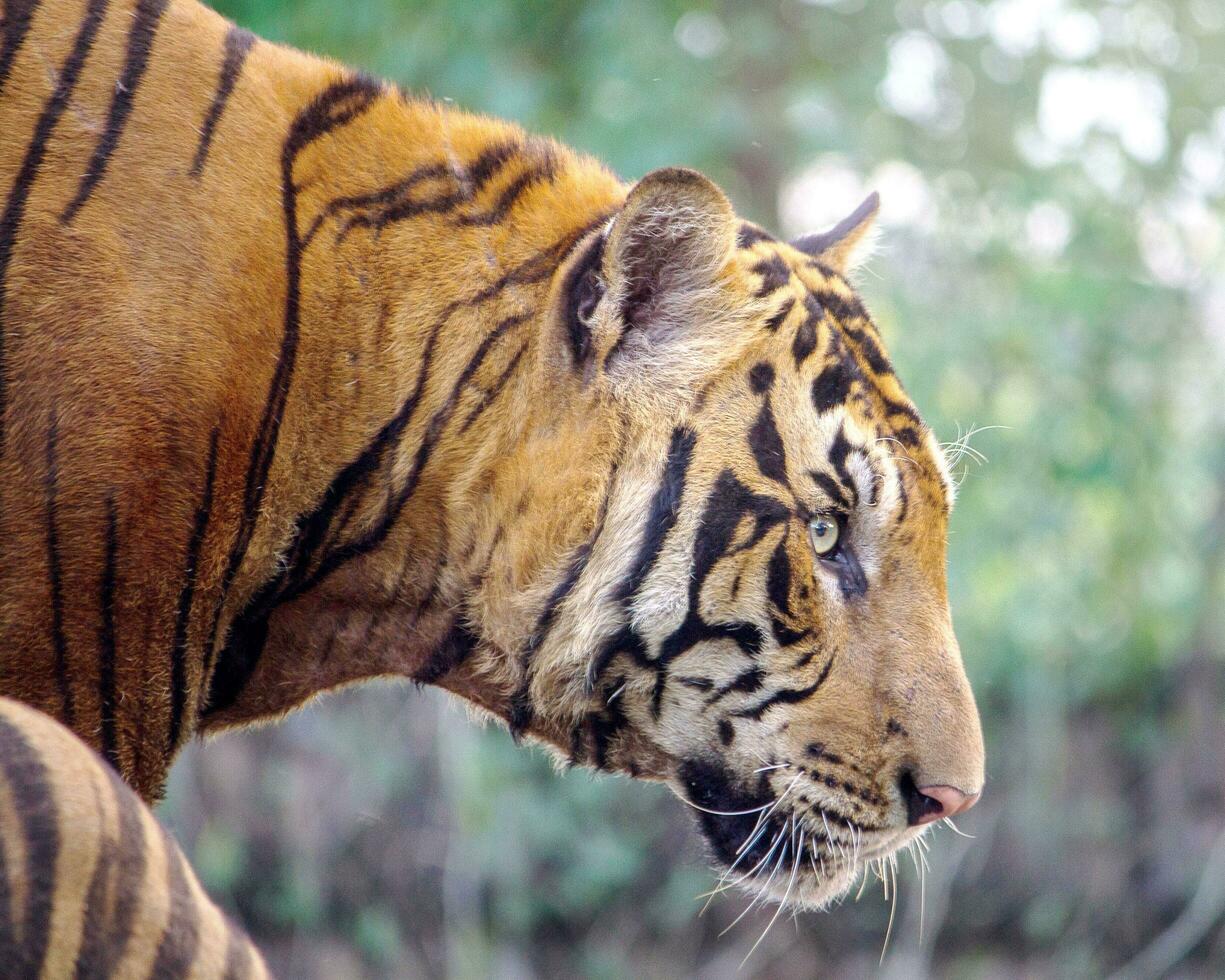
941,802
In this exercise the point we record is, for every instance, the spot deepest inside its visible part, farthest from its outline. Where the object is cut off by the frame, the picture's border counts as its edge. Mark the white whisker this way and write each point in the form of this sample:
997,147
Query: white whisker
795,867
724,813
953,828
863,883
724,884
765,891
750,839
892,911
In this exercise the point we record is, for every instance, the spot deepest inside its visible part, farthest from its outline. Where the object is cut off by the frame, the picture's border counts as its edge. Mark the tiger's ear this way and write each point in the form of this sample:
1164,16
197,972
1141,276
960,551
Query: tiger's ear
662,262
849,242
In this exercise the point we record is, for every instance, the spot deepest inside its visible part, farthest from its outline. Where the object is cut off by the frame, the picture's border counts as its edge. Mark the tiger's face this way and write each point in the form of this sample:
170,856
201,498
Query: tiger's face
759,615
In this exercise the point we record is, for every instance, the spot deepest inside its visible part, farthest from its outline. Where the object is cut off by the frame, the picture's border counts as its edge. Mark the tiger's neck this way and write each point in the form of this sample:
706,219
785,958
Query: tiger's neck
420,249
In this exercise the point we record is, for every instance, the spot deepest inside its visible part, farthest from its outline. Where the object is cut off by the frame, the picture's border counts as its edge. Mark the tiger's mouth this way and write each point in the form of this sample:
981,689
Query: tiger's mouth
768,846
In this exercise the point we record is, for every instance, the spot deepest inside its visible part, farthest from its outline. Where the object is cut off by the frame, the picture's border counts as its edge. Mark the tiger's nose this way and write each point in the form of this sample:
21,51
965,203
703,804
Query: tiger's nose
927,804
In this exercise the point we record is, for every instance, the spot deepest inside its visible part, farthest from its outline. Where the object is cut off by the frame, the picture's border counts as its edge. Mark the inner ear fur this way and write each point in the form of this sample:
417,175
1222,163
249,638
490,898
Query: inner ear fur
664,255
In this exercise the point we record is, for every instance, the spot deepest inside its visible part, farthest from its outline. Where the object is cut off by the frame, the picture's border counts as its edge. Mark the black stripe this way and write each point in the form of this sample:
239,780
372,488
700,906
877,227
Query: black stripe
605,725
661,519
545,171
778,577
56,576
844,308
396,206
767,445
456,647
13,30
249,630
237,46
106,639
832,387
786,636
774,272
176,953
910,432
536,268
488,164
778,316
178,649
853,318
521,709
664,512
26,776
384,195
839,450
805,341
495,389
115,890
832,488
745,682
334,107
878,481
865,342
786,696
145,21
727,504
14,209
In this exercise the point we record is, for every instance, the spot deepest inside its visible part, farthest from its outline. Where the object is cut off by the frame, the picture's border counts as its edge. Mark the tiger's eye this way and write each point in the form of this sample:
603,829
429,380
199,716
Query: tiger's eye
823,532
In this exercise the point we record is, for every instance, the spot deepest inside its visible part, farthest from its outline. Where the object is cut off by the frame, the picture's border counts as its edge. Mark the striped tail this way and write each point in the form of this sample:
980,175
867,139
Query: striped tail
90,883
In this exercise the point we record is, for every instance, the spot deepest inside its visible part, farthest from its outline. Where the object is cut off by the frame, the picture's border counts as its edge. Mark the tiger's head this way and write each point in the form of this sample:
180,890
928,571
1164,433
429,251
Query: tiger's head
755,608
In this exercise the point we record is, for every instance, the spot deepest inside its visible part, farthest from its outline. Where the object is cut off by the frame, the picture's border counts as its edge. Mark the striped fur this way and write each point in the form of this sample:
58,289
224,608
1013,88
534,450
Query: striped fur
304,381
90,884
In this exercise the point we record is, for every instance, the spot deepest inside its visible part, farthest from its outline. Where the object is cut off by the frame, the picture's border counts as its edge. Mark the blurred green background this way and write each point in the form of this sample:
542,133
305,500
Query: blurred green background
1052,265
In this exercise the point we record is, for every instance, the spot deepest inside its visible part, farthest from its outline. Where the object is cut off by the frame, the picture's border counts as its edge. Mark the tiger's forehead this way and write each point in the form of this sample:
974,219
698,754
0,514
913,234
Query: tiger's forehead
815,328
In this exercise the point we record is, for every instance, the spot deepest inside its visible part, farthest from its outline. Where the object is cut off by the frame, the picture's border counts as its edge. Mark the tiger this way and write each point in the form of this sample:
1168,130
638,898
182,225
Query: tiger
90,884
305,380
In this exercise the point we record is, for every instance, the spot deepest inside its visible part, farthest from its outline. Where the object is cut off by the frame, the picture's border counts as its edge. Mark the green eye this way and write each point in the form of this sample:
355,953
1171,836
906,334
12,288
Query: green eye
824,532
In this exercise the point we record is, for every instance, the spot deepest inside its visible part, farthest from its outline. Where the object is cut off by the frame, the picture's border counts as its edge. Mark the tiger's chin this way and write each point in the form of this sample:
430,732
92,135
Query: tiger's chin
771,851
811,892
794,870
